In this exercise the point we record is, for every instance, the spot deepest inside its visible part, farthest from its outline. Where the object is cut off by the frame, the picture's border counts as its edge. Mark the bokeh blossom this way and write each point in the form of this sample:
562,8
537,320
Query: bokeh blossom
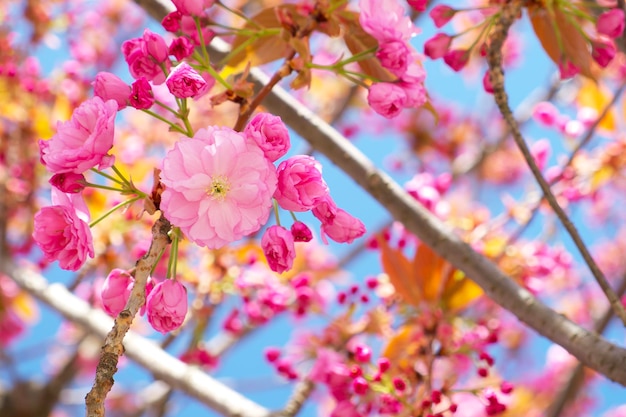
219,187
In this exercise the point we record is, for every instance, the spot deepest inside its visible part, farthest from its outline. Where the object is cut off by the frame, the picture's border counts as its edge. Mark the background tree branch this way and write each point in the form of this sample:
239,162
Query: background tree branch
176,374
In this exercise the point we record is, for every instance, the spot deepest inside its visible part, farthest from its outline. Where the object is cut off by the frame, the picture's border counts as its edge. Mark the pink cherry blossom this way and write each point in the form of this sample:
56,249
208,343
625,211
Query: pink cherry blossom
603,50
154,46
441,14
394,55
270,133
185,81
192,7
219,186
68,182
437,46
167,306
181,48
387,99
419,5
545,113
82,142
456,59
109,86
390,25
300,183
301,232
62,232
611,23
115,291
278,247
140,63
171,22
339,225
141,96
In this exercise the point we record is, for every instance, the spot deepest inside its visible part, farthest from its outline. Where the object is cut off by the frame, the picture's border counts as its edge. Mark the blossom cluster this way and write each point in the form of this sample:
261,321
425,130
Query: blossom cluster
393,30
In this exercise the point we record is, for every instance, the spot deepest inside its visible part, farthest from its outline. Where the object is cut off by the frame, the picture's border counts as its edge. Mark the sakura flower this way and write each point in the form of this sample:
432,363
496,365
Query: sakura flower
68,182
192,7
300,183
154,46
270,133
390,25
62,232
441,14
456,59
219,187
181,48
394,55
437,46
387,99
109,86
142,96
339,225
167,306
82,142
185,81
301,232
116,291
278,247
603,50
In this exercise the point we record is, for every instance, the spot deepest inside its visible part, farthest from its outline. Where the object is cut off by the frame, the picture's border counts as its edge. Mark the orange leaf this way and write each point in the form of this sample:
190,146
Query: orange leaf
561,39
400,272
428,267
460,291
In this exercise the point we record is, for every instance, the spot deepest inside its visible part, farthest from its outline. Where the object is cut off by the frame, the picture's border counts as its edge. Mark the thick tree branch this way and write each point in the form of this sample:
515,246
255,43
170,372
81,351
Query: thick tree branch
146,353
592,350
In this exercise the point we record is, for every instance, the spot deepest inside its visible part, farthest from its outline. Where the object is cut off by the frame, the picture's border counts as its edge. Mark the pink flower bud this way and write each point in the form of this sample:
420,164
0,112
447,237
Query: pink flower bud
441,14
394,55
456,58
360,385
167,305
387,99
300,183
109,86
337,223
116,291
181,48
301,232
184,81
278,247
141,96
270,133
487,83
171,22
68,182
603,51
419,5
568,70
611,23
437,46
154,45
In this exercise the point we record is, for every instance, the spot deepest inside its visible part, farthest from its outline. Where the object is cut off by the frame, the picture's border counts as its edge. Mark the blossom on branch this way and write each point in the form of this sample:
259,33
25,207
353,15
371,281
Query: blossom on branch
82,142
279,249
270,133
219,187
167,305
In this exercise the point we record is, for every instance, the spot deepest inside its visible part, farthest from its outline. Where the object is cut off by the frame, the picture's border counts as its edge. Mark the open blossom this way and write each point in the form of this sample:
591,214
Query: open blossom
278,247
109,86
338,224
300,183
270,133
391,24
181,47
167,305
185,81
62,232
82,142
387,99
219,186
116,291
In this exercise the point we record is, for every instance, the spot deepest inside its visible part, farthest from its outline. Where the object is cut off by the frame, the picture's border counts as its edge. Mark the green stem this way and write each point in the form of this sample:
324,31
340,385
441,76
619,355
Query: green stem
275,204
172,262
166,107
103,187
111,211
105,175
293,216
163,119
184,116
121,176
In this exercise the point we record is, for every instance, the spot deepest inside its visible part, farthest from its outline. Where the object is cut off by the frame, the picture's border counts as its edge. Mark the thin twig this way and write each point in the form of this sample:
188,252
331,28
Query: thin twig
494,58
113,347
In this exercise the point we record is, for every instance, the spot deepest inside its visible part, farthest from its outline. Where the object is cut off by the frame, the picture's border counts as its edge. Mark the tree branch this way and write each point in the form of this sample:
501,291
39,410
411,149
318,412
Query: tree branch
144,352
496,74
